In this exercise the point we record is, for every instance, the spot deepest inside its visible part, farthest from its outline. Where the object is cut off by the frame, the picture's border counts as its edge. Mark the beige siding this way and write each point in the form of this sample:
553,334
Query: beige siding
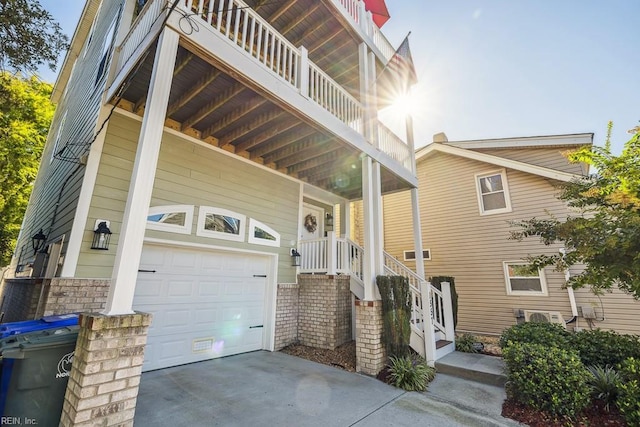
472,247
548,157
614,310
53,202
189,174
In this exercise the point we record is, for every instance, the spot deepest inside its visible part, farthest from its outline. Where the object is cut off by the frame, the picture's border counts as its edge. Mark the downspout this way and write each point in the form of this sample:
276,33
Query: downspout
572,297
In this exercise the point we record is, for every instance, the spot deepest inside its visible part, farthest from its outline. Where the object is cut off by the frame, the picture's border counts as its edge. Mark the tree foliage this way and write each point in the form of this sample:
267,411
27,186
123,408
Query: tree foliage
25,116
30,37
605,235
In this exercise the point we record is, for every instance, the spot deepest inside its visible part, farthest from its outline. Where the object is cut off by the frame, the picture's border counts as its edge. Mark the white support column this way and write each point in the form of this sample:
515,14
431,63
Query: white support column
365,83
378,227
345,219
369,262
372,105
332,253
125,270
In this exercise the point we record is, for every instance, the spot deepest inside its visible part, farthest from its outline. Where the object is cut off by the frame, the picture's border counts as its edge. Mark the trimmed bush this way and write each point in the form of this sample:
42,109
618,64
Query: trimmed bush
465,343
551,379
546,334
604,348
410,373
629,391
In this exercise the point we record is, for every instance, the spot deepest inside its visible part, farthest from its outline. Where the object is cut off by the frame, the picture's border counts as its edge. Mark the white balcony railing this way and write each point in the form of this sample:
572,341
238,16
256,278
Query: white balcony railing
391,144
246,29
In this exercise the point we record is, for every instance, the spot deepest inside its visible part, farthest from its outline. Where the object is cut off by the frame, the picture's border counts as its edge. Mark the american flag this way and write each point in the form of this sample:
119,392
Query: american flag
399,74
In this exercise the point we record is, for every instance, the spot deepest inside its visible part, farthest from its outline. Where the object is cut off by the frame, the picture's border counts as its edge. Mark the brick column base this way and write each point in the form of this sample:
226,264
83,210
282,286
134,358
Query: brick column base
105,374
370,353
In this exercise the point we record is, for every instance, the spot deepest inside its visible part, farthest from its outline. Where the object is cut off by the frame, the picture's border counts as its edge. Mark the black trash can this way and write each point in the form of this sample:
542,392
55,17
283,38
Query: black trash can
35,373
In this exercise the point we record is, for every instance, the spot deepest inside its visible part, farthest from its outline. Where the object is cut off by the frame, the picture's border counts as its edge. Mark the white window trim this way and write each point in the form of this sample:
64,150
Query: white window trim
255,240
107,49
425,258
505,189
202,214
543,281
172,228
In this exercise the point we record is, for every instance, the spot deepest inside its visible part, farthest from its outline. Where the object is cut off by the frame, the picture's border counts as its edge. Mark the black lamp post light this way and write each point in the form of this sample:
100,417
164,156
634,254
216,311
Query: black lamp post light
101,235
38,241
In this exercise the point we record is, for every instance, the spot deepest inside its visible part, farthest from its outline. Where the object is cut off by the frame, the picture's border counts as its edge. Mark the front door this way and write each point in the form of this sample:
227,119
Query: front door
312,222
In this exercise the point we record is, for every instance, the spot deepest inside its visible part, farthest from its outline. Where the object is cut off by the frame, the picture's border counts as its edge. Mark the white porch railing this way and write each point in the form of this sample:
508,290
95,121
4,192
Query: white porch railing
247,30
331,255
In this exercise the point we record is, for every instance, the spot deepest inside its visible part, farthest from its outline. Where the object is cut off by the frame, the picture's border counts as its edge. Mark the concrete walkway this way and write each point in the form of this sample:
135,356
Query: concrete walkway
264,388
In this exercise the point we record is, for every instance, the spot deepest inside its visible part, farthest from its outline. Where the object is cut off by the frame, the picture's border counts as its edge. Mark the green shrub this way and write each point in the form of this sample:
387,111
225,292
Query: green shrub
465,343
546,378
410,373
547,334
604,348
604,383
629,391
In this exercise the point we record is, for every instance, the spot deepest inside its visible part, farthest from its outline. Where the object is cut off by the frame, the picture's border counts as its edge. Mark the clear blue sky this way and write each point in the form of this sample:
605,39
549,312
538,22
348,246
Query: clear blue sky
503,68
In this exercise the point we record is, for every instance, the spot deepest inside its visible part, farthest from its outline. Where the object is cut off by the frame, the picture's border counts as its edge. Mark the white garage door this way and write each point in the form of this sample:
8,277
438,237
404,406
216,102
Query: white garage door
205,304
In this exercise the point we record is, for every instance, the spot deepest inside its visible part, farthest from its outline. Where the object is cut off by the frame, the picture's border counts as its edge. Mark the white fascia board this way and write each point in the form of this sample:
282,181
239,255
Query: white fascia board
529,141
495,160
230,59
75,47
322,195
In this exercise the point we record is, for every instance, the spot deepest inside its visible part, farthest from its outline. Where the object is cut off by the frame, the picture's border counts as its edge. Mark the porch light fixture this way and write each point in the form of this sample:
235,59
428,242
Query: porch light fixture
101,236
328,220
295,258
38,241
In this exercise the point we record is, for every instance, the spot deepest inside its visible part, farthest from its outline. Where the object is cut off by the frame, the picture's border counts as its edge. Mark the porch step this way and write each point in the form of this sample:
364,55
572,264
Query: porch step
476,367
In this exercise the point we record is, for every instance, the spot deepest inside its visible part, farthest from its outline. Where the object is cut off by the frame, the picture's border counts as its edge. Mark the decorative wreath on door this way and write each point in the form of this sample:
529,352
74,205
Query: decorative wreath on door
310,223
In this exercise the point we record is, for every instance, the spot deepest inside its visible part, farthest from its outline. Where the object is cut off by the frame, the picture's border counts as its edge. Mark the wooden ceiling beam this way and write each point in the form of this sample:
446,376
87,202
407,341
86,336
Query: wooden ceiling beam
280,127
299,19
281,143
142,102
237,114
306,154
292,149
259,121
193,91
281,11
303,168
216,103
322,42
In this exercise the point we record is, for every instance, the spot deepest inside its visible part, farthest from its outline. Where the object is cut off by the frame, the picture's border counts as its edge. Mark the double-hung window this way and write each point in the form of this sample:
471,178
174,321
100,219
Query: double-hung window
521,280
493,192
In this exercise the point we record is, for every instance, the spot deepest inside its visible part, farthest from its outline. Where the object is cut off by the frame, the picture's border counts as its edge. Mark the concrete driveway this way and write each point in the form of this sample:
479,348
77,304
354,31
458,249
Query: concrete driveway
276,389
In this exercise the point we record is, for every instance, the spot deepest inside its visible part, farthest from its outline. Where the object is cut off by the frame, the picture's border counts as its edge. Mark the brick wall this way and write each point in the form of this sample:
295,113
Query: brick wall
287,304
20,299
105,374
76,295
324,318
370,353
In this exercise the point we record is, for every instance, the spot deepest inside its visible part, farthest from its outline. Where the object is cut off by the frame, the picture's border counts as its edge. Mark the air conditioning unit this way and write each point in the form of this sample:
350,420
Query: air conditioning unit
544,316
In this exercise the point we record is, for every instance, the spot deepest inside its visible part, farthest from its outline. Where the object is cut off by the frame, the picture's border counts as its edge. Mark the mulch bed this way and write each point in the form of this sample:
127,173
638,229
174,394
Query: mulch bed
593,416
343,357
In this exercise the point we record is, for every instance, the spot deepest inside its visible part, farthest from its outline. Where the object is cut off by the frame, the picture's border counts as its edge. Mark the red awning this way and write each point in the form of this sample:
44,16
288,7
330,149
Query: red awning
379,11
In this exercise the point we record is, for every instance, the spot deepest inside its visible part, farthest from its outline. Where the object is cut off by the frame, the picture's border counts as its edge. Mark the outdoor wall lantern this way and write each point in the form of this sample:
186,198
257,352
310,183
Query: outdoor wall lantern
38,241
295,258
101,235
328,221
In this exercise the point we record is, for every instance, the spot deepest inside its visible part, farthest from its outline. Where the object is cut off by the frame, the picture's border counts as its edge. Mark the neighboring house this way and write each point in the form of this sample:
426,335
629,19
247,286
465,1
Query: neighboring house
193,165
469,192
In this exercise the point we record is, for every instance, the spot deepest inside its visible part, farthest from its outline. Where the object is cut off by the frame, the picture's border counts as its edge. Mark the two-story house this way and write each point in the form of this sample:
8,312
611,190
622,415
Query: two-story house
470,193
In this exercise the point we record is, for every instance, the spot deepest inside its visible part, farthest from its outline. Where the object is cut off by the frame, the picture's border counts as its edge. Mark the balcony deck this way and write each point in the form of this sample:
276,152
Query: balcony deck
242,85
